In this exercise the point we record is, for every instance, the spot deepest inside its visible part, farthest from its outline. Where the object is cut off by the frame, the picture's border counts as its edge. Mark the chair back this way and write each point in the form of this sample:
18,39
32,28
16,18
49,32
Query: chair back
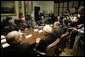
50,49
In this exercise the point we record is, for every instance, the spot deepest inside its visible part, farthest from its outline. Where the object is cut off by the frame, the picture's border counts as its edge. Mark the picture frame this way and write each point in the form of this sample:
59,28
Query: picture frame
8,8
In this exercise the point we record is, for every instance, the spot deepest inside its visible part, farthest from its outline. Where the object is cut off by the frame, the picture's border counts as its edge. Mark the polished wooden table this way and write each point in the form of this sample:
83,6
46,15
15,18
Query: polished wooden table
35,35
32,39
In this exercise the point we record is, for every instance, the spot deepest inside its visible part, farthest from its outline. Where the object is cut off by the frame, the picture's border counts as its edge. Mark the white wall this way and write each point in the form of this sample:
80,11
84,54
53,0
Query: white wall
44,5
48,5
36,3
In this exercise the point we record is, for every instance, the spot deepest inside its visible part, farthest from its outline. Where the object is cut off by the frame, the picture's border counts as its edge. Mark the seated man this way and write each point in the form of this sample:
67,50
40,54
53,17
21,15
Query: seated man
4,23
15,48
30,23
58,31
39,22
23,25
48,39
11,27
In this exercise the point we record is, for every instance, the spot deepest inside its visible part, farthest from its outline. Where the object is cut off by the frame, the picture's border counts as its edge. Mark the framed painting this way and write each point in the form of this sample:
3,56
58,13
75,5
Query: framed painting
8,8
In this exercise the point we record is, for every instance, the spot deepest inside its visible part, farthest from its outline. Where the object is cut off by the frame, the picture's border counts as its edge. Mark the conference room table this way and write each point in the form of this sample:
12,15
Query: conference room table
35,35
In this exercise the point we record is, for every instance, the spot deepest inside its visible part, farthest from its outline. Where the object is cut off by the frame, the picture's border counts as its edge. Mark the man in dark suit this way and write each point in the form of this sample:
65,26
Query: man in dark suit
58,31
11,27
49,36
15,48
23,25
4,23
42,43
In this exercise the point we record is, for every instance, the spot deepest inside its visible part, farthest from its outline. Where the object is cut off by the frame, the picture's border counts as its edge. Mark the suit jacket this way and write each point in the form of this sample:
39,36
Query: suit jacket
18,50
22,26
11,28
48,40
29,23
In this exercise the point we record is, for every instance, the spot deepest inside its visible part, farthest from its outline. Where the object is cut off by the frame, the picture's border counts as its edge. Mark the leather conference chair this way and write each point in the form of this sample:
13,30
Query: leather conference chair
60,46
50,49
57,45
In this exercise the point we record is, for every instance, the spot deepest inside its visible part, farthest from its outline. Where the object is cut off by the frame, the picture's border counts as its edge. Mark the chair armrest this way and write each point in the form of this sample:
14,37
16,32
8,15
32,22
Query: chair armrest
53,44
41,53
50,49
65,34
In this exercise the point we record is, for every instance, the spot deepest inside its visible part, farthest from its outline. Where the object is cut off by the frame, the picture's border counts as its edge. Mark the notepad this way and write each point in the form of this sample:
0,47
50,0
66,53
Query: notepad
29,36
5,45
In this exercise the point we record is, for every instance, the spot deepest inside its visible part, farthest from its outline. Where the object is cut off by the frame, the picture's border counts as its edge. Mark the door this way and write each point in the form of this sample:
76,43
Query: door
36,9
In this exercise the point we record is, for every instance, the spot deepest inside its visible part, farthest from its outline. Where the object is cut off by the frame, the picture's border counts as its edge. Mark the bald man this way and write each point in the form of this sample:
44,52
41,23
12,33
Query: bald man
15,48
13,37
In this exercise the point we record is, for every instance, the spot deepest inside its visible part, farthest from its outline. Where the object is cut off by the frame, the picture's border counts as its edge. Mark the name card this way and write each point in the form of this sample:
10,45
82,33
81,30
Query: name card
35,30
29,36
40,31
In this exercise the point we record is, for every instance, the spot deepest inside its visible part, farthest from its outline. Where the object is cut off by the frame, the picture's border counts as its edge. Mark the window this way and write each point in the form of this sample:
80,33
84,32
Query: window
61,7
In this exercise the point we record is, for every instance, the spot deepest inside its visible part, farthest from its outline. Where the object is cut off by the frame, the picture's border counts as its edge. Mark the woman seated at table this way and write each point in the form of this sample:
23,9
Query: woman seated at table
23,25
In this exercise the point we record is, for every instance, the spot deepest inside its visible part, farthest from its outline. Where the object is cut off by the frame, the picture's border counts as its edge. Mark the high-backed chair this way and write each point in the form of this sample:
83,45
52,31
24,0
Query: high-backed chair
50,49
61,44
63,39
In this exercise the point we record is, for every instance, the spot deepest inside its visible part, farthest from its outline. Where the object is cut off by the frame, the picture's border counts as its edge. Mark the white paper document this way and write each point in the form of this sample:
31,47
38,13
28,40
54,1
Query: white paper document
5,45
4,40
35,30
40,31
2,37
29,36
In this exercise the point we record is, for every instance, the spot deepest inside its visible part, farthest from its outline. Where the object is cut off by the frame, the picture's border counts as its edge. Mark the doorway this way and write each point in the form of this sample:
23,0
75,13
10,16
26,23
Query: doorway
36,11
